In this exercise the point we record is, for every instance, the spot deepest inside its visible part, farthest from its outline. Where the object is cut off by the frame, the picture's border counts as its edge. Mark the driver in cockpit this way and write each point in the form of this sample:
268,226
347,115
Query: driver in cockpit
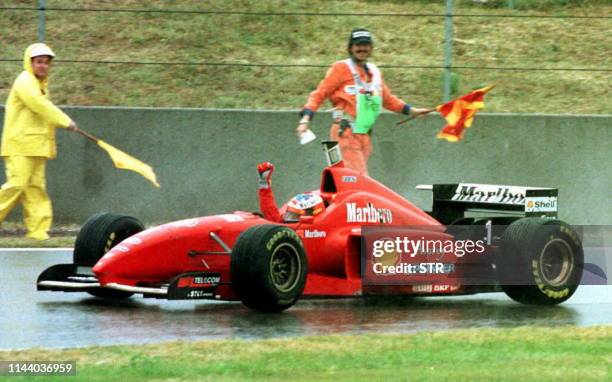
305,204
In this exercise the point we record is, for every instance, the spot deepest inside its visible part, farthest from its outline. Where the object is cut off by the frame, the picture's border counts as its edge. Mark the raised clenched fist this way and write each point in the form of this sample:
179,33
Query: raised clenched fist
264,172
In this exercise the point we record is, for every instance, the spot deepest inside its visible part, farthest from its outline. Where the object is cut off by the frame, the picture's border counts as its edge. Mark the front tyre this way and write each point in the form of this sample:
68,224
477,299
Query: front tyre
268,267
98,235
541,261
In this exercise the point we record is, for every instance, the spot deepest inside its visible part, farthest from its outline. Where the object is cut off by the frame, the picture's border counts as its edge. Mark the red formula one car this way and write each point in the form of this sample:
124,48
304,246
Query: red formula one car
269,266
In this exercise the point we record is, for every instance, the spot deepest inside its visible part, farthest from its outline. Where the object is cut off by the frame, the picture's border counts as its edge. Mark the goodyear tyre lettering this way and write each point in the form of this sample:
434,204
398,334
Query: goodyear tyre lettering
279,235
541,286
536,275
109,242
572,234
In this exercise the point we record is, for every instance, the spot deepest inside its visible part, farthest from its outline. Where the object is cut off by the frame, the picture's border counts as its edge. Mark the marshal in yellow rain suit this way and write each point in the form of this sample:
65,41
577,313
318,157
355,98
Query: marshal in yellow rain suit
28,140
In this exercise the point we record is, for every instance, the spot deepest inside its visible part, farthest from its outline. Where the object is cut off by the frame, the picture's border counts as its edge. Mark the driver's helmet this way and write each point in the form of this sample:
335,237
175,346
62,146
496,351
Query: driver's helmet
306,204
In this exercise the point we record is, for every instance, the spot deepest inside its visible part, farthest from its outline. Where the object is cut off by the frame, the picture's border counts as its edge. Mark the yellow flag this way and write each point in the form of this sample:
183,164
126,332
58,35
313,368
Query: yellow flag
127,162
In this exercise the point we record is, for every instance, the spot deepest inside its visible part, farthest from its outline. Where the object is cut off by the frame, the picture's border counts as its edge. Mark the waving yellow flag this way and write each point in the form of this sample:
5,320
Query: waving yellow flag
127,162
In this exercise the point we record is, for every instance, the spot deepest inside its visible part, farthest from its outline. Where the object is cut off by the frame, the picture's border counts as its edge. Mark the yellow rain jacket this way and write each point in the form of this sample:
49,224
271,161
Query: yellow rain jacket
30,118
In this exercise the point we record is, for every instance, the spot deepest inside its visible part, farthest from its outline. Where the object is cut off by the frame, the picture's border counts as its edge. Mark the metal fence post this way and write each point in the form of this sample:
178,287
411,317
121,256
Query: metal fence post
448,49
41,20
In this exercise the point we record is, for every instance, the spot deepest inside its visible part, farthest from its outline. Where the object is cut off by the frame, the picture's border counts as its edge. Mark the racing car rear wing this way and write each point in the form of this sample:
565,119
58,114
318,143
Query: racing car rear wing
451,201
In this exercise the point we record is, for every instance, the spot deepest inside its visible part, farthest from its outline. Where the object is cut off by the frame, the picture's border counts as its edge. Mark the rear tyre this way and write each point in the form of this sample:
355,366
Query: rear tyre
98,235
268,267
540,261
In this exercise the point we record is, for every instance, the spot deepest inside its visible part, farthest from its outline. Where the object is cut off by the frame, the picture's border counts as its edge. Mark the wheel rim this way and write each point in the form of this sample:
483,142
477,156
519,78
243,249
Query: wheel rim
285,267
556,262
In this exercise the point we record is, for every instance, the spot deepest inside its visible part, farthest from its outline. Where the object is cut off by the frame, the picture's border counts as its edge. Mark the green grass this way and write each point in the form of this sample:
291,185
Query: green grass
497,42
519,354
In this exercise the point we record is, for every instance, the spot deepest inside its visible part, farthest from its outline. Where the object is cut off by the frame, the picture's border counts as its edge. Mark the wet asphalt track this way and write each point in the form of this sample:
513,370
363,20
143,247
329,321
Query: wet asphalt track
49,319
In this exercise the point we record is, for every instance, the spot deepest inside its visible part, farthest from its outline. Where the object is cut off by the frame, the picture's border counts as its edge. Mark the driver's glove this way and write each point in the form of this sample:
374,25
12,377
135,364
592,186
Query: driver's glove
264,171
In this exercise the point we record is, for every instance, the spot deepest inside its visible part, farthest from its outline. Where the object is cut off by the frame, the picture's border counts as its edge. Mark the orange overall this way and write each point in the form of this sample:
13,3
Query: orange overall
340,87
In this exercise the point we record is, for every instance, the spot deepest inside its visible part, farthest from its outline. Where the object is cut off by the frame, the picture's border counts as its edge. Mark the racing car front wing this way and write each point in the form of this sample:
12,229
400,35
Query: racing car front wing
187,286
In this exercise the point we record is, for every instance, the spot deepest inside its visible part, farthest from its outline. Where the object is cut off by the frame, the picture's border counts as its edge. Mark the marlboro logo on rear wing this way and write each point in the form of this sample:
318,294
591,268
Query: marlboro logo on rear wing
451,201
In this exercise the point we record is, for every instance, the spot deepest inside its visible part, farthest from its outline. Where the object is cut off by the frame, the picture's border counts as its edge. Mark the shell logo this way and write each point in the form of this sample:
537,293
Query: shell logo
388,258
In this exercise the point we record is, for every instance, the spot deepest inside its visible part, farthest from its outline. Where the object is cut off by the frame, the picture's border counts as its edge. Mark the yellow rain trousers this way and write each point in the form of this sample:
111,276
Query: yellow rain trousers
26,183
28,140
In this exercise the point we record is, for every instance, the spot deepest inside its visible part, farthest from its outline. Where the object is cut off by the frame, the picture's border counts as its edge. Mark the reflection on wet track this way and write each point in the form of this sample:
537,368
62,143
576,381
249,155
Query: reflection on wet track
45,319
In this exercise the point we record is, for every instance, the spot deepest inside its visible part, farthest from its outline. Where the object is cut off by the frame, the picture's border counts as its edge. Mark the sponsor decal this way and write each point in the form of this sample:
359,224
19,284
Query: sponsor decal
349,179
206,280
133,240
231,218
353,89
350,89
202,281
83,278
388,256
422,288
314,234
386,259
108,255
541,204
488,193
442,288
199,294
436,288
186,223
149,231
368,214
